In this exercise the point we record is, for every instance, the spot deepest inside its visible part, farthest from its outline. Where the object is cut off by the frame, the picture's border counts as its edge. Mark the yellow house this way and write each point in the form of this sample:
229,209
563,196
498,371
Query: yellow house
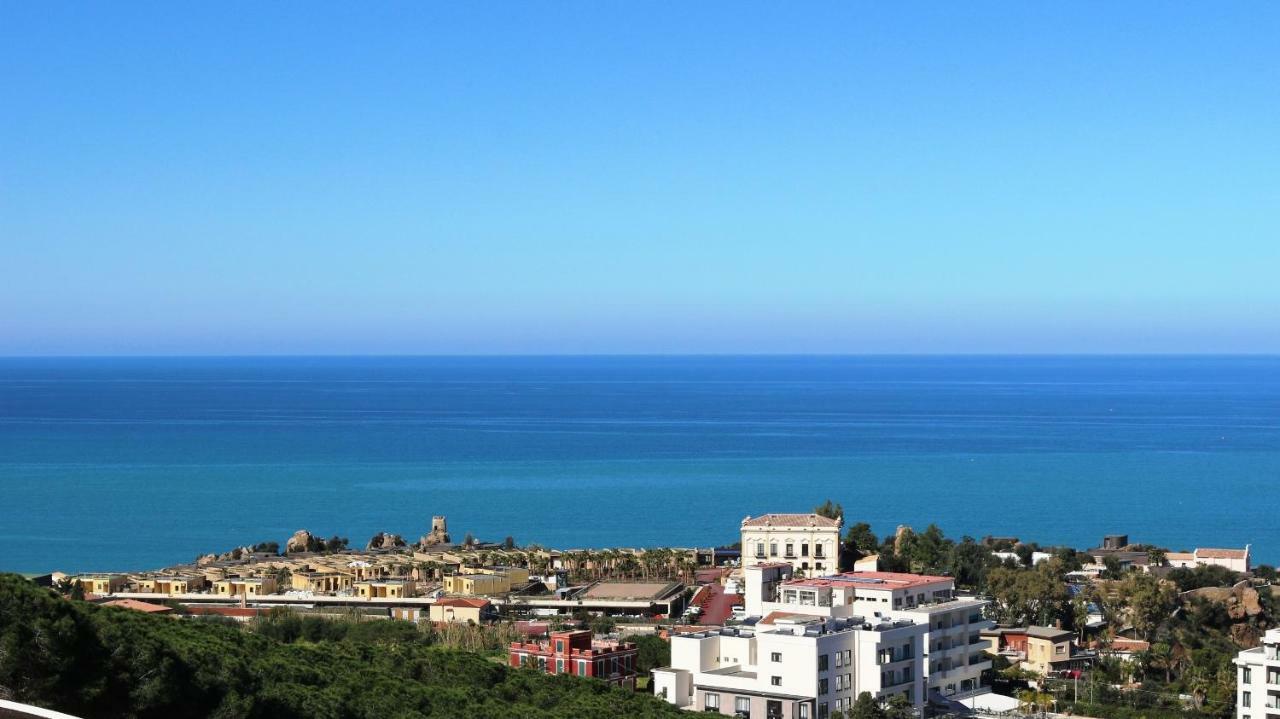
474,584
362,571
172,586
321,582
100,583
1047,649
467,611
386,589
486,581
517,575
245,586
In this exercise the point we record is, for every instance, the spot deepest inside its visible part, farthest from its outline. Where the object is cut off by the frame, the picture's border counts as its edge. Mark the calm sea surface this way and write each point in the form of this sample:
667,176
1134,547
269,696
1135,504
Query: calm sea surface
139,463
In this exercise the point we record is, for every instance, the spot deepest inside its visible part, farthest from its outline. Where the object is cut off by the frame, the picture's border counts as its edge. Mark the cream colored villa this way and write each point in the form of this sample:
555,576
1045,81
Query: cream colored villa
810,543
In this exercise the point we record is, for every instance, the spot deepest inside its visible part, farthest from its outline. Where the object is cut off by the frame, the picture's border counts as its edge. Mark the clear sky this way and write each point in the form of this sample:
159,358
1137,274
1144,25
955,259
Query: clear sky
550,177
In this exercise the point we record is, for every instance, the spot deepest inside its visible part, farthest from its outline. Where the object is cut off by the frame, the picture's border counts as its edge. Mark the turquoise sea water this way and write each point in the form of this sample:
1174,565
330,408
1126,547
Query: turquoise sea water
139,463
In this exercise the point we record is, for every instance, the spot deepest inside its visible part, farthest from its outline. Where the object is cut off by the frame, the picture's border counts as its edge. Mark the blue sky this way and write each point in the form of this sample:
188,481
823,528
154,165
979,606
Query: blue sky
642,177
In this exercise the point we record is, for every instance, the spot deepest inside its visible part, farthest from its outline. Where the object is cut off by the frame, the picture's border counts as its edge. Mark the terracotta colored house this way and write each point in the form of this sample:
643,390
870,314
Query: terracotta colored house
465,610
576,653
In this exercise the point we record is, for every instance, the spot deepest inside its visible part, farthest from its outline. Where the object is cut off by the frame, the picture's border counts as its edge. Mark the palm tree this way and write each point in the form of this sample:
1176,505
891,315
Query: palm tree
1161,655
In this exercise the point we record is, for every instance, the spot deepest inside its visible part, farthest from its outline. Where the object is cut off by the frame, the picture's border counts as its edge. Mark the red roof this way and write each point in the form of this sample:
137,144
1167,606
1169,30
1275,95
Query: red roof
900,580
532,628
773,617
790,520
1209,553
137,606
460,602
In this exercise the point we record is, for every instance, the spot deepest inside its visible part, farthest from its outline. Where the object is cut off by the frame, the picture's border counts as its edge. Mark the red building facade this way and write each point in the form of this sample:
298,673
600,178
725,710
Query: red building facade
577,654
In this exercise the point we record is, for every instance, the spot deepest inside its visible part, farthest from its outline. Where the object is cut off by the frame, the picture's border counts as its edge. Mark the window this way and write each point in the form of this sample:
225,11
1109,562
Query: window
559,666
791,549
710,701
804,552
822,710
822,686
742,705
760,550
822,663
848,682
848,657
773,549
839,661
804,712
839,688
776,681
559,646
775,657
1246,676
582,668
817,551
1246,700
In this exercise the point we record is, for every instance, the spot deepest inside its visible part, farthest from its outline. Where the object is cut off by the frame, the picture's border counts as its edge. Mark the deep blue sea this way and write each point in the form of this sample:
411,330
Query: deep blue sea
140,463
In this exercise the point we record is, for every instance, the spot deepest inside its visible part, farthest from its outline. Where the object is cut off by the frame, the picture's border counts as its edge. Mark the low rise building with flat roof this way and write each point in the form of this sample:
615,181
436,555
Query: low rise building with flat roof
325,581
171,586
386,589
245,586
100,583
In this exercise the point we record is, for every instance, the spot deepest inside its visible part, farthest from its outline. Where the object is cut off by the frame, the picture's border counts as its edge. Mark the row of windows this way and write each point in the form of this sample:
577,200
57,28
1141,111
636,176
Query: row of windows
742,705
890,678
790,550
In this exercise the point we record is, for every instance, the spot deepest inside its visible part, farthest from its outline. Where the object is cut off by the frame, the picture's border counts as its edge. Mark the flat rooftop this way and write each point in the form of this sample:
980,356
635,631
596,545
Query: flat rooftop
883,581
630,590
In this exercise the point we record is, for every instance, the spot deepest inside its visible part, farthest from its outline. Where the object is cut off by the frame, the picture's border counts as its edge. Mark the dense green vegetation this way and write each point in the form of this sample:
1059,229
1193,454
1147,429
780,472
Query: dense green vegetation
106,662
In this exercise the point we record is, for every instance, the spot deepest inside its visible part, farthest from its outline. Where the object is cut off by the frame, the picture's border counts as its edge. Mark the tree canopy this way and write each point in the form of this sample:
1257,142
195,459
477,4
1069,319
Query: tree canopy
96,661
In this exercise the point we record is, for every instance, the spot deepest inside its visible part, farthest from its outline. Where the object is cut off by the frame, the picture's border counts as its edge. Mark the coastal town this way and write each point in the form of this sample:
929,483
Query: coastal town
802,618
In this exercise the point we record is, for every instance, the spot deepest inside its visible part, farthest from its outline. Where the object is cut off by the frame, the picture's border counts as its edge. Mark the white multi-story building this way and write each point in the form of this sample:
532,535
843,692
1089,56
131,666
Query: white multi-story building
953,657
810,543
793,666
1258,679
